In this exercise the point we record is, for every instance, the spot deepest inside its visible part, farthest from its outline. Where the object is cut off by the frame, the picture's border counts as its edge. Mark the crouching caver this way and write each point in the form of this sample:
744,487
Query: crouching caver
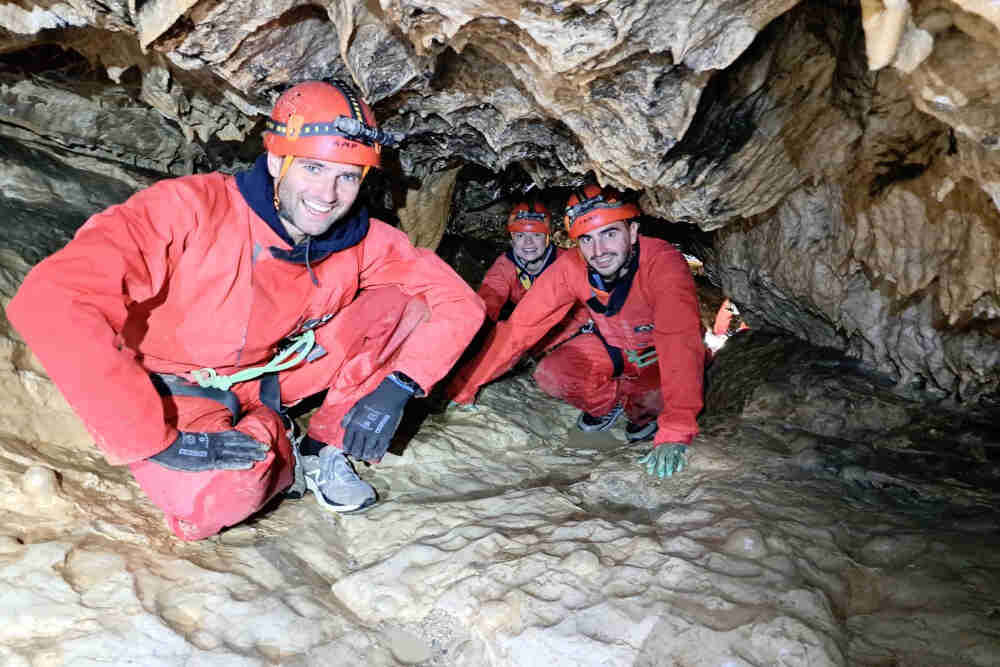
514,272
643,355
179,323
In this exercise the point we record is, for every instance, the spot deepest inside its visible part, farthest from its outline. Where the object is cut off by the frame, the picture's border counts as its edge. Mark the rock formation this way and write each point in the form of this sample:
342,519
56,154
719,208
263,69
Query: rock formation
841,160
873,126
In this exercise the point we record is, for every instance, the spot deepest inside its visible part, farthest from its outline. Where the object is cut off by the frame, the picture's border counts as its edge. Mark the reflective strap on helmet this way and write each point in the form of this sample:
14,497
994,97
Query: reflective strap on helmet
341,126
587,205
529,215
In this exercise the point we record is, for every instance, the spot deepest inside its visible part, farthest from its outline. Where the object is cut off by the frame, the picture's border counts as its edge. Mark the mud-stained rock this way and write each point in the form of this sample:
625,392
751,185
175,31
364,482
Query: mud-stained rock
428,209
504,538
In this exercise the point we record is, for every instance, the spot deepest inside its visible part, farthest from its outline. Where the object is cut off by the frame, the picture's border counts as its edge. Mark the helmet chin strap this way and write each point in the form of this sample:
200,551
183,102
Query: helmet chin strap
285,164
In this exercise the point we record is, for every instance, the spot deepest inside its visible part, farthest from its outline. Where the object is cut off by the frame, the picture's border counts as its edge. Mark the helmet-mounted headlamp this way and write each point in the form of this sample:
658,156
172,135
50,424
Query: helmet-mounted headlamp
589,204
341,126
530,215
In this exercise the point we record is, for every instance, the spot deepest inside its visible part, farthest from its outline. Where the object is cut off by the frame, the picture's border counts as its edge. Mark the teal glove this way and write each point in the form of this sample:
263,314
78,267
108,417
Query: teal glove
665,460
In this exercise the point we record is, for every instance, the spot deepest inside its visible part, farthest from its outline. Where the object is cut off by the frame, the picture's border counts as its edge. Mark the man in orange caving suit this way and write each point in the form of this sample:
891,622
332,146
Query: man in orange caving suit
515,271
644,355
181,323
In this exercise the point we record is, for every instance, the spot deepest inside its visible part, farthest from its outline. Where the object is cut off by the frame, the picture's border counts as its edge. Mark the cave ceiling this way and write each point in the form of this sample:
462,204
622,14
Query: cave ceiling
846,154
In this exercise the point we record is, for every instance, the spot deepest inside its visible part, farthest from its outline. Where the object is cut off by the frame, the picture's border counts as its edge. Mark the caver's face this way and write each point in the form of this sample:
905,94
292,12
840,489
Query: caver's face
528,246
606,249
314,194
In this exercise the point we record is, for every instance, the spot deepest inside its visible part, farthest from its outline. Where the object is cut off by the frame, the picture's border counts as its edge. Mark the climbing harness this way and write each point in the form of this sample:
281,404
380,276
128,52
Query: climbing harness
174,385
301,344
642,358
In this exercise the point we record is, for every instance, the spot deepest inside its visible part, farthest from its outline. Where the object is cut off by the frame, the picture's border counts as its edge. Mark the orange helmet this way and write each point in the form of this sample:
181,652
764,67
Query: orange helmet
325,121
529,217
591,207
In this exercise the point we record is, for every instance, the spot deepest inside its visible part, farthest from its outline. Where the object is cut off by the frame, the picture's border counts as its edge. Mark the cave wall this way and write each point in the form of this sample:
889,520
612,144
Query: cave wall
888,248
846,153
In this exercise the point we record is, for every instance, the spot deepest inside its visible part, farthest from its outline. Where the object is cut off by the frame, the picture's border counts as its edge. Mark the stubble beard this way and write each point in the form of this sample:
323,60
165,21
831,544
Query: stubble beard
287,216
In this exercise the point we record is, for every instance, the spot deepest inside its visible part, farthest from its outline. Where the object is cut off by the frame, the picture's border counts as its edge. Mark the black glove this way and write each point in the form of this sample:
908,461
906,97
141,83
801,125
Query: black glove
371,423
225,450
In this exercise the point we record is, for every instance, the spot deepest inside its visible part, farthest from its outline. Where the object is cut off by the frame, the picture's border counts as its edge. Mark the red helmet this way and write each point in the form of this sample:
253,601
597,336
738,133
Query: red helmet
529,217
326,121
592,207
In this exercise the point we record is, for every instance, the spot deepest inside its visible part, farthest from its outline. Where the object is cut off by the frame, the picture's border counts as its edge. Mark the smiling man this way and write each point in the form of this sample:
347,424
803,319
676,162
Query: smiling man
531,252
512,275
514,272
643,355
180,324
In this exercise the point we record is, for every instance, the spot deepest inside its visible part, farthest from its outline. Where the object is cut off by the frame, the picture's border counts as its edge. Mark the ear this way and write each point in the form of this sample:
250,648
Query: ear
273,164
633,229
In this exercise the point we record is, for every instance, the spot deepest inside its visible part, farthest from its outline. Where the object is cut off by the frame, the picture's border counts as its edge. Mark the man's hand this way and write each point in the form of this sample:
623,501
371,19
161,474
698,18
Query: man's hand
665,460
225,450
371,423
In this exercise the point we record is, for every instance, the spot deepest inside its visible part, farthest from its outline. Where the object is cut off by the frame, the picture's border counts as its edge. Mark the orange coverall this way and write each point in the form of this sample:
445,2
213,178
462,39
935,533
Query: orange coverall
502,284
180,277
661,312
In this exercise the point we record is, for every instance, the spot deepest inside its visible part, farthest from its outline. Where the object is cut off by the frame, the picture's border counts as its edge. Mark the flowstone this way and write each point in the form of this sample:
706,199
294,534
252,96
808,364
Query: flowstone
505,537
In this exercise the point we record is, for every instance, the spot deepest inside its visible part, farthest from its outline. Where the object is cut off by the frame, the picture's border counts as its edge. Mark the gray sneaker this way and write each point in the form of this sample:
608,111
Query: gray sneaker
331,478
637,433
589,423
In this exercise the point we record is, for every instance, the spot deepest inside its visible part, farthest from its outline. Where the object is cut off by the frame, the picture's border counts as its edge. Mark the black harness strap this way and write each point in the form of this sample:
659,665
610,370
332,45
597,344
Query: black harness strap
617,359
619,290
174,385
270,395
615,353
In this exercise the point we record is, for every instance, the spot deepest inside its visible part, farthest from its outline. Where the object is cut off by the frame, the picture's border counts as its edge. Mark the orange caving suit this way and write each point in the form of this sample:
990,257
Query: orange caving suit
183,276
502,283
661,311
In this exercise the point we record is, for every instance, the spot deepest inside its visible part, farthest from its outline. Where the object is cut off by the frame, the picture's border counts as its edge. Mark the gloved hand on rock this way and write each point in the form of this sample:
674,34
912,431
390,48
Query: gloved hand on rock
371,423
665,460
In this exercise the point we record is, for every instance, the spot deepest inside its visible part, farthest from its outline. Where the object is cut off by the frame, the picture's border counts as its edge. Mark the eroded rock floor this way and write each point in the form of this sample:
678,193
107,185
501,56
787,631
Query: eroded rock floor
505,537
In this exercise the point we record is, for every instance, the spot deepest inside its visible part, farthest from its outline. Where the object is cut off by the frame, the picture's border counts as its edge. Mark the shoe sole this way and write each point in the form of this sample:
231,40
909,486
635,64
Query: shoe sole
601,427
313,486
645,433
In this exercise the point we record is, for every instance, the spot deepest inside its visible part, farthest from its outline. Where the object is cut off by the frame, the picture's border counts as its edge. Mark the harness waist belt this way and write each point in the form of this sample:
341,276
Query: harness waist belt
174,385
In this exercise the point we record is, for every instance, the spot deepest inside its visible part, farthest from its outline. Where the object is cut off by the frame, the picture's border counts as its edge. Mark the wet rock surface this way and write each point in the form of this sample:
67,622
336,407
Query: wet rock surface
842,159
826,518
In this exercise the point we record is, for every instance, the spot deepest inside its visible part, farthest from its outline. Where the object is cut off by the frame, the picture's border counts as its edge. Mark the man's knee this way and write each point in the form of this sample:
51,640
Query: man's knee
200,504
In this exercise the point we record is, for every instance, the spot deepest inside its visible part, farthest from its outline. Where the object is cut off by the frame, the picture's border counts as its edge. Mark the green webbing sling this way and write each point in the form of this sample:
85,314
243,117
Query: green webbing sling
303,344
642,359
